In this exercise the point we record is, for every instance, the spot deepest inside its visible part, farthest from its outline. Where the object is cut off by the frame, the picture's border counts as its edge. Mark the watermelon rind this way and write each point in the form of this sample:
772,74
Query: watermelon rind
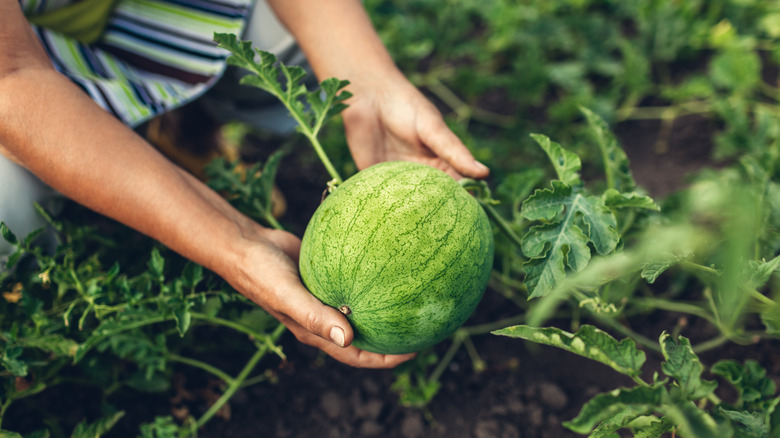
403,250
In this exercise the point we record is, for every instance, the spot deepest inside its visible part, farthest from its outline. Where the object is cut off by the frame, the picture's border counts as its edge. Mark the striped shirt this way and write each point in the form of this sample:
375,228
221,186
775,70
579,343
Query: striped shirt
153,56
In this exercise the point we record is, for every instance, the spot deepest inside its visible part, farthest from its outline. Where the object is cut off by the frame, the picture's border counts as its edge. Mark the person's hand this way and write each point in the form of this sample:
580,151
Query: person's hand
389,119
269,277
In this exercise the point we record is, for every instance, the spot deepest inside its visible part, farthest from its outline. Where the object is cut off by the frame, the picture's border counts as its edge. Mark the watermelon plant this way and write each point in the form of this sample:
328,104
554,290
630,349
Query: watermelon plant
682,402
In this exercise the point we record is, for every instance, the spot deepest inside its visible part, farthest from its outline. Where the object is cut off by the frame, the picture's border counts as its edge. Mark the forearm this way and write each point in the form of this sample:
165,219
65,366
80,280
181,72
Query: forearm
338,38
59,134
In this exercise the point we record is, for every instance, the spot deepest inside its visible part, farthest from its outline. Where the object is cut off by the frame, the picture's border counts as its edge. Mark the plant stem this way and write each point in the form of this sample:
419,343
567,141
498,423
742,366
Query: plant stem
464,111
713,343
763,298
236,383
664,112
674,306
502,224
272,221
476,361
254,380
641,340
491,326
457,341
700,268
462,335
202,365
227,323
303,126
4,407
312,136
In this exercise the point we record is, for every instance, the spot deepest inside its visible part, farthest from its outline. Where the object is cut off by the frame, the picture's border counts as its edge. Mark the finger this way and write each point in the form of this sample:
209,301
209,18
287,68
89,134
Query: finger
305,310
437,136
351,355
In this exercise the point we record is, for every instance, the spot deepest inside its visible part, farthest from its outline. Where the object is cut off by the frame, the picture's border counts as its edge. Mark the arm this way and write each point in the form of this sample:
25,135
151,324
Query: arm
52,128
388,118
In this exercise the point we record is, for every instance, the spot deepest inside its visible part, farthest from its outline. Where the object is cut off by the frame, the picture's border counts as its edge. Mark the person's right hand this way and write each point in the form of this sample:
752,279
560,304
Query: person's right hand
269,276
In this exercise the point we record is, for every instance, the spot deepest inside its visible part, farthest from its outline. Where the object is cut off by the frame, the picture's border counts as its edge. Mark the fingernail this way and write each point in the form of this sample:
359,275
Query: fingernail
480,165
337,336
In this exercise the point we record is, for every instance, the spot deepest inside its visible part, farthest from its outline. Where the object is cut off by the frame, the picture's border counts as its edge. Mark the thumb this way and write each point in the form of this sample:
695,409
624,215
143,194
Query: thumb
317,318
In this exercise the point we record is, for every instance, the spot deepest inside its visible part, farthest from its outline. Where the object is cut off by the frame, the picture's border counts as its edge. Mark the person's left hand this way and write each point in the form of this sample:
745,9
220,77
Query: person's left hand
390,119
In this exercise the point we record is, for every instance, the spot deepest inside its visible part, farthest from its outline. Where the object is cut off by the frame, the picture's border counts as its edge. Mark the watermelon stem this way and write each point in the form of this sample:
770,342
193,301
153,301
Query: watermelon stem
502,224
345,310
482,193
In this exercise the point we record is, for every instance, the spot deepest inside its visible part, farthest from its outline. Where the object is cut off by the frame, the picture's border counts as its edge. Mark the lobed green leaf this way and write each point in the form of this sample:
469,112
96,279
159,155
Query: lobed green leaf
56,344
567,164
761,271
10,359
654,429
157,264
617,407
588,341
692,422
6,233
747,424
616,165
571,221
684,367
659,263
749,379
97,428
615,200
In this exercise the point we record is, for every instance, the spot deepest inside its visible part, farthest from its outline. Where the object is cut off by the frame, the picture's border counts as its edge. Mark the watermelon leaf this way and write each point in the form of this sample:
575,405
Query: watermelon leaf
567,164
653,429
694,422
6,234
570,222
588,341
749,424
749,379
97,428
658,264
322,103
616,165
684,367
615,200
618,407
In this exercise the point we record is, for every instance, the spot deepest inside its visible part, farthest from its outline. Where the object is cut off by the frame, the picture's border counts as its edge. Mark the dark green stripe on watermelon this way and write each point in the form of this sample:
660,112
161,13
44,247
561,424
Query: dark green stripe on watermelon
406,248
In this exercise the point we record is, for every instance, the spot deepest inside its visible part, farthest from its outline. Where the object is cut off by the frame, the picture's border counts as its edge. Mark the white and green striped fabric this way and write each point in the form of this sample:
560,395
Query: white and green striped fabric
153,55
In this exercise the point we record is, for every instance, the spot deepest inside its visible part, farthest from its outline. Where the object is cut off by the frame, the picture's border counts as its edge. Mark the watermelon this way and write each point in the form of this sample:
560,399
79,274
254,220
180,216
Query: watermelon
403,251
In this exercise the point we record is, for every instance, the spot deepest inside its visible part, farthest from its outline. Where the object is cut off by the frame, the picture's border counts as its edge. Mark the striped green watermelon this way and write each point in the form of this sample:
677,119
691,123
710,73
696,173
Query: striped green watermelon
401,249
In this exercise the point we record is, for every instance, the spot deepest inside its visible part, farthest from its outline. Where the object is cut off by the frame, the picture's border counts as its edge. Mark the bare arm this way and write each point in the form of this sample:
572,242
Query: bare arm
53,129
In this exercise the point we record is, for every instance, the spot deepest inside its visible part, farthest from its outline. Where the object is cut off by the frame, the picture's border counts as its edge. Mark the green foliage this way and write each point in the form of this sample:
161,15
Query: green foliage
586,248
93,313
673,404
248,190
507,68
311,109
588,342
